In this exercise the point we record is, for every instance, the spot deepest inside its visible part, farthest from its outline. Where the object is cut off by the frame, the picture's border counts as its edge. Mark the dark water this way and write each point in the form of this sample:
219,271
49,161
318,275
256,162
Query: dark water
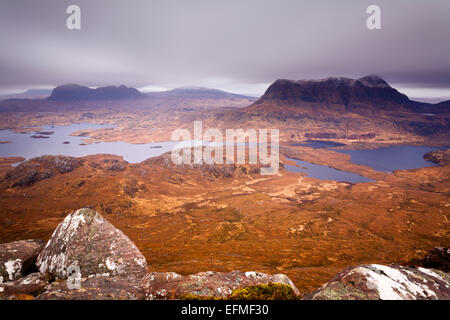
392,158
326,173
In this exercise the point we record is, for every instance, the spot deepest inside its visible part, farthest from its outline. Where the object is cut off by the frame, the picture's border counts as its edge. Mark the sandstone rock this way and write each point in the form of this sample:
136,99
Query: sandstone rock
17,257
94,288
87,240
379,282
162,285
32,285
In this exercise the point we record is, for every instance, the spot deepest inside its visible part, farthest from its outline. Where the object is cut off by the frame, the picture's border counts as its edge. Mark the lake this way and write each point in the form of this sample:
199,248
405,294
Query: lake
56,140
402,157
392,158
325,173
60,142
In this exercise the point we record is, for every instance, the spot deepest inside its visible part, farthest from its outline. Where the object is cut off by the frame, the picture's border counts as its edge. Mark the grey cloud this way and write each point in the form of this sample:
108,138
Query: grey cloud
246,43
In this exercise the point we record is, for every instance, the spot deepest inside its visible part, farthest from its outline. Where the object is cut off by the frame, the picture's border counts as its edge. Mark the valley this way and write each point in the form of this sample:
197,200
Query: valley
188,219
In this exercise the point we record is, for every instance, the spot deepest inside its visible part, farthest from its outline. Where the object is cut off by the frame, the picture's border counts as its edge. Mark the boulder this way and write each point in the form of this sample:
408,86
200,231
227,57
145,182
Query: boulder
86,240
379,282
94,288
17,257
169,285
30,285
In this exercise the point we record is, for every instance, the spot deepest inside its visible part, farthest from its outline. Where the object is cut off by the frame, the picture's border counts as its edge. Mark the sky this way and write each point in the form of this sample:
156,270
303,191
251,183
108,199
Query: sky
237,45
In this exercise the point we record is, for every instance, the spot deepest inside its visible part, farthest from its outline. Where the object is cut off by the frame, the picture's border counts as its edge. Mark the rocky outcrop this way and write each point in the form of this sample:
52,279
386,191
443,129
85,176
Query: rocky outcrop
112,268
94,288
169,285
379,282
110,265
17,258
85,239
40,168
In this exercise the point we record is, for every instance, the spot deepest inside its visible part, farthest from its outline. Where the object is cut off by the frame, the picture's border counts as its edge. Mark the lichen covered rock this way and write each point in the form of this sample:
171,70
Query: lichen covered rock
160,285
379,282
94,288
164,285
17,257
31,285
87,240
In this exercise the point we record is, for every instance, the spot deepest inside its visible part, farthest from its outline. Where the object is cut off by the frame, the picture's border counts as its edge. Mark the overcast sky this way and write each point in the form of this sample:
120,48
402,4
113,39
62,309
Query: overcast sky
238,45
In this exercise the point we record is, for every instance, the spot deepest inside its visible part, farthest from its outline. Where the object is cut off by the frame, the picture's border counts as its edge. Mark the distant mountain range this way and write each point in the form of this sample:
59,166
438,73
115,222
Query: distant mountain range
334,107
75,92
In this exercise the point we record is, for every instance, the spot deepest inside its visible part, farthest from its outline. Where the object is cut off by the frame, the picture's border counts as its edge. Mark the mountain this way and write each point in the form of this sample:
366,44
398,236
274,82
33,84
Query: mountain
367,108
198,93
74,92
370,93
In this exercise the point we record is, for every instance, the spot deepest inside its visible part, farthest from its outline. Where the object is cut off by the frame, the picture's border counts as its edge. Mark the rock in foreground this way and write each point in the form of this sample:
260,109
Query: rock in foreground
94,288
87,240
17,257
378,282
31,285
169,285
